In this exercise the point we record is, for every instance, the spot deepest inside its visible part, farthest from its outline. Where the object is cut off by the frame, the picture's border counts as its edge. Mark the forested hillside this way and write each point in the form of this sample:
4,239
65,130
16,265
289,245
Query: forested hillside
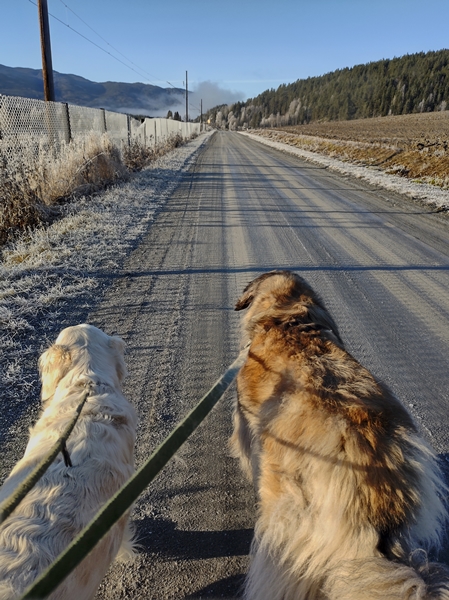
410,84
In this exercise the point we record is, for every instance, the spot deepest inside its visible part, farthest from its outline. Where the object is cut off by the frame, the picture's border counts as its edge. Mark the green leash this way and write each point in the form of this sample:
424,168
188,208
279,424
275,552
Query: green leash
111,512
8,505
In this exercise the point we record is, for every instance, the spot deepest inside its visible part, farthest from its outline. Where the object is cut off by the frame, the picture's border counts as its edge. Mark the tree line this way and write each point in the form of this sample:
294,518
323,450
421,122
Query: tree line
410,84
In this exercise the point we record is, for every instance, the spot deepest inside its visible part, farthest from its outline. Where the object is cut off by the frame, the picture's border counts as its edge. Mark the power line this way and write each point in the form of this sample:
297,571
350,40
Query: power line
106,41
106,51
98,46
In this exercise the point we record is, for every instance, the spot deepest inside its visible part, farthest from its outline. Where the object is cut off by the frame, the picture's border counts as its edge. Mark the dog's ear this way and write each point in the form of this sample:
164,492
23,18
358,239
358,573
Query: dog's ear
118,345
247,296
249,292
245,299
54,364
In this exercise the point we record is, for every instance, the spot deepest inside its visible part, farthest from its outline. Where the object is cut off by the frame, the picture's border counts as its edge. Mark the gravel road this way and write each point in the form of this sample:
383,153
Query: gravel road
380,262
161,261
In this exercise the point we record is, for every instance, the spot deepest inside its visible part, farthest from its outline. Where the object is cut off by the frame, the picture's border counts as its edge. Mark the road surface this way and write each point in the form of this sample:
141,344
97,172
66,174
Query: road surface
380,263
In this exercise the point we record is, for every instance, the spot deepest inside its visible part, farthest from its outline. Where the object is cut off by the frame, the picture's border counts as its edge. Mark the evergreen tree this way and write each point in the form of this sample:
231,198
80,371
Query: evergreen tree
409,84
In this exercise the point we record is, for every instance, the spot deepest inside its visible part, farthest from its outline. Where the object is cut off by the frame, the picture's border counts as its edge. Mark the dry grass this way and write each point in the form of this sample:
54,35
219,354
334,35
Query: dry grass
413,146
37,179
136,156
51,276
18,210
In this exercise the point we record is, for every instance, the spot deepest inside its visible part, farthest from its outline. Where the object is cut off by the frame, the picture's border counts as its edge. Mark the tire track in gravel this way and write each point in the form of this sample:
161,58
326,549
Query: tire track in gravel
175,320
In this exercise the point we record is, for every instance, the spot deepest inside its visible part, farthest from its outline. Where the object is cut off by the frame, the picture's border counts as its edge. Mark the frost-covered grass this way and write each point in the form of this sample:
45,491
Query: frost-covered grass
52,275
343,162
414,146
38,177
136,156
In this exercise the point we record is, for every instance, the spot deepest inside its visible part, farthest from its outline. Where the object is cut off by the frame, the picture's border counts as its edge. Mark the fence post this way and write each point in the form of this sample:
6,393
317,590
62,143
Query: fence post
49,122
104,120
69,129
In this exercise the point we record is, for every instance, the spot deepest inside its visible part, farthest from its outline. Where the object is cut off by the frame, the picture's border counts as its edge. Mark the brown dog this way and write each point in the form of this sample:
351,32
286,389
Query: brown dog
349,493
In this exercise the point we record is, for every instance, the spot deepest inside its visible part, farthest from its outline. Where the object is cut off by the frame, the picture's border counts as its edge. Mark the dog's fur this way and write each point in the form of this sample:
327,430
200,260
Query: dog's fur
350,496
101,448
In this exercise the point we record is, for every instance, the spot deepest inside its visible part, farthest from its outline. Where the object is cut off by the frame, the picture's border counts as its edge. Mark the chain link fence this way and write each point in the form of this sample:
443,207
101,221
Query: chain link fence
29,123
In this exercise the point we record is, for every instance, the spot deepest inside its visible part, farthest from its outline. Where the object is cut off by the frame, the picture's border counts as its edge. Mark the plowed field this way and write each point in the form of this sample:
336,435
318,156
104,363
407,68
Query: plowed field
414,146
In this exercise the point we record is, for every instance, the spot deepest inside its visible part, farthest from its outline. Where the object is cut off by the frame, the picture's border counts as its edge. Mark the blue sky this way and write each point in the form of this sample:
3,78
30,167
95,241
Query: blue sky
232,50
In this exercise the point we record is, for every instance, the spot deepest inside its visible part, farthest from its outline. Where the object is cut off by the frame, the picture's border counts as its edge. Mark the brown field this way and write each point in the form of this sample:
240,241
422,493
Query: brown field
414,146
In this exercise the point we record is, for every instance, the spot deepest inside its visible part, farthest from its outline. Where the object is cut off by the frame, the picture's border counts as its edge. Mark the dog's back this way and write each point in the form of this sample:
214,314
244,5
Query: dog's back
65,499
347,488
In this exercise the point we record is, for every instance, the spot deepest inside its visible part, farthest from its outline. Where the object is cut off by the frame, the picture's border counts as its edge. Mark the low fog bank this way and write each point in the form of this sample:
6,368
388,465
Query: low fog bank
212,94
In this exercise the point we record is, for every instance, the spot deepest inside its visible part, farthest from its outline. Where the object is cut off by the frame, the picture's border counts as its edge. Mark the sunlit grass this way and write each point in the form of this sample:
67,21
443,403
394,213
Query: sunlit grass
39,178
414,146
50,272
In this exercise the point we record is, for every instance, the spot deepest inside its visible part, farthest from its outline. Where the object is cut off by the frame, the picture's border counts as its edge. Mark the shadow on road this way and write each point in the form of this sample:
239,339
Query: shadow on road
160,536
227,589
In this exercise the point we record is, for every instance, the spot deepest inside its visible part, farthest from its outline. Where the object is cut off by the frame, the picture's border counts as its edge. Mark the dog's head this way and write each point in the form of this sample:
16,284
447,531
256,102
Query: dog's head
82,350
283,294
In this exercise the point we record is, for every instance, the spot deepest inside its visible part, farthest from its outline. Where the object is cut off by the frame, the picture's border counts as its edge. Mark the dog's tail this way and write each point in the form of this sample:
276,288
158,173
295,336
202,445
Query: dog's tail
382,579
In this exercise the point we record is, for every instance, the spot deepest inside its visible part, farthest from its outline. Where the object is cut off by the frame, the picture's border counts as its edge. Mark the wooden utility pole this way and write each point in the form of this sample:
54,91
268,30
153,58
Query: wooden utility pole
201,115
187,100
47,66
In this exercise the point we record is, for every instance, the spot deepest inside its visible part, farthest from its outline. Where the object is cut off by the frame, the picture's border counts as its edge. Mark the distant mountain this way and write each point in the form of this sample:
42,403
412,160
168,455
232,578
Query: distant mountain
132,98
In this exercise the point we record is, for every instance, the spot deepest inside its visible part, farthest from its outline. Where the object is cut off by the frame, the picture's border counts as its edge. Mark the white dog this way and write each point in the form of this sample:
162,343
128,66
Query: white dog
101,449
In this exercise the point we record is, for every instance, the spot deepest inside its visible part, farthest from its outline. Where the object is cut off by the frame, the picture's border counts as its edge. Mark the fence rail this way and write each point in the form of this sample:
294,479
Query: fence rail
26,119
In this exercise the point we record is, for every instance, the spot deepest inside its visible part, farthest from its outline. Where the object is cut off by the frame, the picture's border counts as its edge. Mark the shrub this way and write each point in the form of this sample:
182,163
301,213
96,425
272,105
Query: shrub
37,177
136,156
19,208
